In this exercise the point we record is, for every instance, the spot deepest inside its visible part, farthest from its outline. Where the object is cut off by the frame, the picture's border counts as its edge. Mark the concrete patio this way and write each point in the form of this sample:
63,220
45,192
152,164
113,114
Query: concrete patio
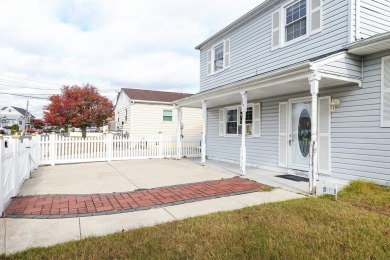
127,176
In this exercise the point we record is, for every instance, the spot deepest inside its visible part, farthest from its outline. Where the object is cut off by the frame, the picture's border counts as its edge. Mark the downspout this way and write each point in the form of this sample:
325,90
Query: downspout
357,20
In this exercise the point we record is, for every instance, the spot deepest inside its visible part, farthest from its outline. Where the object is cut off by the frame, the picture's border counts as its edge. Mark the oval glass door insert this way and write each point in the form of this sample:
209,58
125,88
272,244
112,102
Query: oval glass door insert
304,132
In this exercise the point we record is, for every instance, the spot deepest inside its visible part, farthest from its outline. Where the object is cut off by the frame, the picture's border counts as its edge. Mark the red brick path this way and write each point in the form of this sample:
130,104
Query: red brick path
58,206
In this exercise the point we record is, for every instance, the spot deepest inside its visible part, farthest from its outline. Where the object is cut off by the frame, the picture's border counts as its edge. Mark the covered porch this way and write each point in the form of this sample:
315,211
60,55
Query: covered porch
309,80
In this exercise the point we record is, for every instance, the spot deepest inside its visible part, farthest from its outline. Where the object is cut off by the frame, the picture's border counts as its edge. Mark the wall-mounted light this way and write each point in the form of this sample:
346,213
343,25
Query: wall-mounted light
333,104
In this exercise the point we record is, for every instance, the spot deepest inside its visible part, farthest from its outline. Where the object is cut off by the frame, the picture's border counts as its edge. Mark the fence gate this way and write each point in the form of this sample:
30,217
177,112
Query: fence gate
18,158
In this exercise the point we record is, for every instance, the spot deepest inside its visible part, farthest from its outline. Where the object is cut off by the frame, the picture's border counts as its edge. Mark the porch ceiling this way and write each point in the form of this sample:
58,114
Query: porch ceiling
260,90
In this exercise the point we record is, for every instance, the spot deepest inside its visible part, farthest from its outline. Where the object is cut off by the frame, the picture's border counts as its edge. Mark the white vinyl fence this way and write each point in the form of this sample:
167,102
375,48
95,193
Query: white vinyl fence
18,159
57,149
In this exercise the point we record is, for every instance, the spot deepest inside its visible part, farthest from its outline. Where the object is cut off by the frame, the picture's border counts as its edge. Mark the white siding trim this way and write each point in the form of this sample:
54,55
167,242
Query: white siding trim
313,11
324,135
256,120
227,48
283,134
276,28
210,62
221,122
385,91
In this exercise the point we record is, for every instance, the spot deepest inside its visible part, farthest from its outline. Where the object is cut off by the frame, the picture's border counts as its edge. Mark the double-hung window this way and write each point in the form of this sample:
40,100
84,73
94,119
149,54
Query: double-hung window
248,120
167,115
231,121
295,20
218,57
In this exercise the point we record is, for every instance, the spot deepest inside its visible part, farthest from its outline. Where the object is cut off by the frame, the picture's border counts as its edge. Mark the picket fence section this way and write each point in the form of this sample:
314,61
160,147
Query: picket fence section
18,159
57,149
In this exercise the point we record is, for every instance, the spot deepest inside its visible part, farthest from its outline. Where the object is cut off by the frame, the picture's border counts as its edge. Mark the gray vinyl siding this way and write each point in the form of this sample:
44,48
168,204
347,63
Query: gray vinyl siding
351,66
374,17
251,45
360,148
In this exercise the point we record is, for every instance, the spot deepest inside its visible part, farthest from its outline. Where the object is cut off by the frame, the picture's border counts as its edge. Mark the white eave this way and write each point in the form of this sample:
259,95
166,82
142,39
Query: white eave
284,81
376,43
254,12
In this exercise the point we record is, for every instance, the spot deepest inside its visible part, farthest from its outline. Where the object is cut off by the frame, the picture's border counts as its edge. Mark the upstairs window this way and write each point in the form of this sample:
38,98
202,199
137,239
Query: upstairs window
218,57
295,20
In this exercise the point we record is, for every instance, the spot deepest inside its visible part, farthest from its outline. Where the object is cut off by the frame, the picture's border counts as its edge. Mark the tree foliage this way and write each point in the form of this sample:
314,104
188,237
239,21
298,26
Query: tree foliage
38,123
80,107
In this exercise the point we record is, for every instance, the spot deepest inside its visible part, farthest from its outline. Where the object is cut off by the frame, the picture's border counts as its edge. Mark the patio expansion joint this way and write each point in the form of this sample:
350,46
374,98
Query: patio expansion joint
86,205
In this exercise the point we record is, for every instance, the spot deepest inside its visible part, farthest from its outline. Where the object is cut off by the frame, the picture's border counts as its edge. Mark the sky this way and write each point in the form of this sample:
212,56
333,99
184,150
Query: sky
111,44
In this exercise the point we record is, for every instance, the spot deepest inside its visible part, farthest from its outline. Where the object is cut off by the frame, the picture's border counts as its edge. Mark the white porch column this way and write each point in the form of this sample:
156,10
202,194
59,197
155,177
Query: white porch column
313,171
204,115
244,106
179,123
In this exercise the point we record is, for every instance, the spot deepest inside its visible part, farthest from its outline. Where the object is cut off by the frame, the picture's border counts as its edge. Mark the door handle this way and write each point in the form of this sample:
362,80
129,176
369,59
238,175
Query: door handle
290,142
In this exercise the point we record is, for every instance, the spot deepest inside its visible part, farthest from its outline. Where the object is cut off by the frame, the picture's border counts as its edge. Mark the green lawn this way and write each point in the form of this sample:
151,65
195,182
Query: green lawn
355,227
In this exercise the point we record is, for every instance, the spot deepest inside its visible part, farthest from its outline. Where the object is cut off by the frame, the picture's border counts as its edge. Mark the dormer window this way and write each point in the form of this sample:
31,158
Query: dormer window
295,20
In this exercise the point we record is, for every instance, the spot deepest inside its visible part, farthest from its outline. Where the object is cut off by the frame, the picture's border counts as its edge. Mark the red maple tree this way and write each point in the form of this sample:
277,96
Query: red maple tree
79,107
38,123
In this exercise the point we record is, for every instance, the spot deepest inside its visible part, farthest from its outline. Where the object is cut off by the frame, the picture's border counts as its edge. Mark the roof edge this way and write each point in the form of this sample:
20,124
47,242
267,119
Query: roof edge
371,40
306,65
237,22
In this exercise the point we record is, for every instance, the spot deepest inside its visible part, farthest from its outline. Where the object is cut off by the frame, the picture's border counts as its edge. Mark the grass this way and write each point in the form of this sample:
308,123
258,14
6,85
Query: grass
354,227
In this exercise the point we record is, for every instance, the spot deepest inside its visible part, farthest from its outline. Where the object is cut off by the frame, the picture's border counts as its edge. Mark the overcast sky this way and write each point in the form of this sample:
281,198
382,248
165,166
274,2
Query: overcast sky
110,44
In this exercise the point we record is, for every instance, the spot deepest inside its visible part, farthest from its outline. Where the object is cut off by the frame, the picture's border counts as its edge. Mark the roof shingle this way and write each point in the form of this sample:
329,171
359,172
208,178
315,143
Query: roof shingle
153,95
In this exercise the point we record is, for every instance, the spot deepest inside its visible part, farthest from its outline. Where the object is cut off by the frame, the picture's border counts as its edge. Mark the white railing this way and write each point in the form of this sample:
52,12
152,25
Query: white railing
56,149
18,159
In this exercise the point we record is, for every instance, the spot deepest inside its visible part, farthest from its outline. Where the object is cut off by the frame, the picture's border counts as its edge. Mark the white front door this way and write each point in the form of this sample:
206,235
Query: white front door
300,134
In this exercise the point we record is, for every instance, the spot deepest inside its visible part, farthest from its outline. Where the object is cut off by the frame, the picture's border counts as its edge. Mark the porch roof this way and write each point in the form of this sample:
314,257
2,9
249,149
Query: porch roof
376,43
288,80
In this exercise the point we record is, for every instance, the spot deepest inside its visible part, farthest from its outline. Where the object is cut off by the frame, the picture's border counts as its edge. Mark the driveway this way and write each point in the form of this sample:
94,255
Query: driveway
71,202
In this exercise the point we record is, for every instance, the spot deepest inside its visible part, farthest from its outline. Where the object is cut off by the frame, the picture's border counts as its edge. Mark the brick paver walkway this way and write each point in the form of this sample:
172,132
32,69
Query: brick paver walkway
61,206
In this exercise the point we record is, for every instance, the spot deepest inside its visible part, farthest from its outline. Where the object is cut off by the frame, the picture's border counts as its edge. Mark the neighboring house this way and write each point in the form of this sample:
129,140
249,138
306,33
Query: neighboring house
278,62
15,116
146,112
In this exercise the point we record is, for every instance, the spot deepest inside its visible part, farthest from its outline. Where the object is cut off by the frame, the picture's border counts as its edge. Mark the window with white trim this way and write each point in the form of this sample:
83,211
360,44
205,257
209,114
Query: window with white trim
218,57
385,92
167,115
248,120
230,121
295,20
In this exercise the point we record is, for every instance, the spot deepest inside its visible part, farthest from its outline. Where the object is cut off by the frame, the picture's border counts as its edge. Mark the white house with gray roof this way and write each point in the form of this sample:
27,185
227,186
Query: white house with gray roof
300,87
15,116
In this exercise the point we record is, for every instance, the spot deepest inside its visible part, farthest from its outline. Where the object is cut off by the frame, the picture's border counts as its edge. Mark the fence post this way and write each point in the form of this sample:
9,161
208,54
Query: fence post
178,137
15,140
2,173
160,146
109,145
52,148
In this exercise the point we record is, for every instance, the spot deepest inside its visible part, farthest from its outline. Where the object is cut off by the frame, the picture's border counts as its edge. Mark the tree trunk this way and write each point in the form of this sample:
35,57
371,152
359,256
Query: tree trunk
84,132
66,129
